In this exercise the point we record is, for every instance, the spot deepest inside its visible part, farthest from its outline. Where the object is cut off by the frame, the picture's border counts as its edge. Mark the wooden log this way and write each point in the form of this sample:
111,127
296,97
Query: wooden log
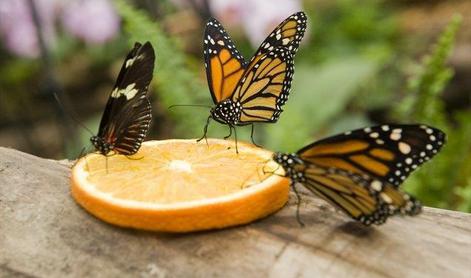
44,233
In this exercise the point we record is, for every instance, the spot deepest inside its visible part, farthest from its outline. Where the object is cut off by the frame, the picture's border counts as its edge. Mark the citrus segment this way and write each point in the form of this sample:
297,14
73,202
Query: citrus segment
181,185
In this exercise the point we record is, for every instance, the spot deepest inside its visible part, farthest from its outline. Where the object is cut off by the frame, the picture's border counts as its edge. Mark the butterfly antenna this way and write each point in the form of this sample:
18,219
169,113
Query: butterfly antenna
251,137
106,164
70,115
189,105
298,204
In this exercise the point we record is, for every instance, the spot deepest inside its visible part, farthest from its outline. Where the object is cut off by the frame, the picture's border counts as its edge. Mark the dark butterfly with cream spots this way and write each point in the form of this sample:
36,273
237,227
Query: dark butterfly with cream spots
128,114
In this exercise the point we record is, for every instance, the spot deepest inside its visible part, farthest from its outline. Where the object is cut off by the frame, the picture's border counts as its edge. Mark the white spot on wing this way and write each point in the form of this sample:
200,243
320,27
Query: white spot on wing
395,136
386,198
404,148
132,60
377,185
129,92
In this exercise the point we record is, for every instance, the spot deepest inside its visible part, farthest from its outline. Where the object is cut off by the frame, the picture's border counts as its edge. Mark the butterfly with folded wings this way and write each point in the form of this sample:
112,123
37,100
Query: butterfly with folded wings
247,93
360,171
128,114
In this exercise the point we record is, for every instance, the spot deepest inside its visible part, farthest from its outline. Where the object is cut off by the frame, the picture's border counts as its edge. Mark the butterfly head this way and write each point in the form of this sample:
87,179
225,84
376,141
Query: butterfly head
287,159
227,112
100,145
290,163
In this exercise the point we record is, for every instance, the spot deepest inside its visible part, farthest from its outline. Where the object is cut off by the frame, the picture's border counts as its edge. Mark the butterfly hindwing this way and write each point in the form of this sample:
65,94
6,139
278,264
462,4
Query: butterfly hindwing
224,64
133,130
387,152
265,87
127,114
361,197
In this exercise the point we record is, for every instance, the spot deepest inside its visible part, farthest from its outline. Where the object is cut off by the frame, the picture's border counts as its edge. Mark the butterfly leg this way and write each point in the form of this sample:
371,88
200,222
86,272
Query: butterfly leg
235,136
298,204
106,163
82,152
205,131
251,137
230,133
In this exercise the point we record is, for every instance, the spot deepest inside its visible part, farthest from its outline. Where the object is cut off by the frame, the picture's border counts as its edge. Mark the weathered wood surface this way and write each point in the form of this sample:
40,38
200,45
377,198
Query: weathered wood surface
43,233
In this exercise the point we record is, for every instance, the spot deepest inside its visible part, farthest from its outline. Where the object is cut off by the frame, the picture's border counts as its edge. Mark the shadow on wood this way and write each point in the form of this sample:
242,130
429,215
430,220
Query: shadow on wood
43,233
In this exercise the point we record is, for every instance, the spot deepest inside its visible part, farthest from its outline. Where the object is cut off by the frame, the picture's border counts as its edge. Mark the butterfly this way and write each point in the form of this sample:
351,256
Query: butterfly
247,93
360,171
128,114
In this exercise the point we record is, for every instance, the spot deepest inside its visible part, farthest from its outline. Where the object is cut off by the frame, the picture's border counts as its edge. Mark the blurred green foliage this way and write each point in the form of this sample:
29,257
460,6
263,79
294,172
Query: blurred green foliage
445,182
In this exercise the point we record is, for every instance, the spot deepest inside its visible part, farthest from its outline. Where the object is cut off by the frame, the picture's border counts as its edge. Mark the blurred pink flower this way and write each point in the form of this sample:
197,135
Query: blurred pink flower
262,16
231,12
94,21
257,17
17,29
188,3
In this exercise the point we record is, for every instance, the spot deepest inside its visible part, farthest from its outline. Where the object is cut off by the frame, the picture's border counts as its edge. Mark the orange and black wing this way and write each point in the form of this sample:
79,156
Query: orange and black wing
362,197
127,114
388,153
288,34
224,64
265,87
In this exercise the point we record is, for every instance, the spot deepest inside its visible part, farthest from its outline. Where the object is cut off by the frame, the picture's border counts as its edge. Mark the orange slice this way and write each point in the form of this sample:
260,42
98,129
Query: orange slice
181,186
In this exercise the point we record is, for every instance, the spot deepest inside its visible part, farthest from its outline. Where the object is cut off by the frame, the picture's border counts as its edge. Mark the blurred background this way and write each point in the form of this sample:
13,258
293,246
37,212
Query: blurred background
360,63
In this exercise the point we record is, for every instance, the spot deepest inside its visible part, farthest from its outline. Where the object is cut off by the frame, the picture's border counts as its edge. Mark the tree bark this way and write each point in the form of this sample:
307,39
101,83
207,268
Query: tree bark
44,233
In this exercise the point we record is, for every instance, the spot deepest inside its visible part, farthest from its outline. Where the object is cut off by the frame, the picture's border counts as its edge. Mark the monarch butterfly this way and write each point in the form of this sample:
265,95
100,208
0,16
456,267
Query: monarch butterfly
246,93
360,171
127,114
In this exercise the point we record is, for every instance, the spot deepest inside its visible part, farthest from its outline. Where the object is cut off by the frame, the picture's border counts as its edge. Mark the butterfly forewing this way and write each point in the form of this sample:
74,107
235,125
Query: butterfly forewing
127,114
224,64
265,87
287,34
387,152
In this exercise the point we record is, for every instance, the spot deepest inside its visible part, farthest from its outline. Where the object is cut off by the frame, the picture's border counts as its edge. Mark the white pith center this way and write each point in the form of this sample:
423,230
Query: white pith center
180,165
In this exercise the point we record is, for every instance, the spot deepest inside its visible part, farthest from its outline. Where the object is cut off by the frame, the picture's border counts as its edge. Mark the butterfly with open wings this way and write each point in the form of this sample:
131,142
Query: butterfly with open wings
128,114
360,171
247,93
